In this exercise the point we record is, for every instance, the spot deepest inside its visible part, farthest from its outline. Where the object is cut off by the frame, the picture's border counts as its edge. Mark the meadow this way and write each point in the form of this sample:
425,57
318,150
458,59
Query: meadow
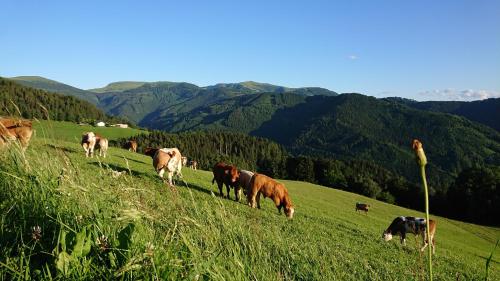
71,132
94,225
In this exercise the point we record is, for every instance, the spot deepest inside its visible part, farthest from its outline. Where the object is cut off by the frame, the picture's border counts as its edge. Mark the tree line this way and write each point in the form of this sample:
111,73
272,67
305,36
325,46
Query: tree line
18,100
470,196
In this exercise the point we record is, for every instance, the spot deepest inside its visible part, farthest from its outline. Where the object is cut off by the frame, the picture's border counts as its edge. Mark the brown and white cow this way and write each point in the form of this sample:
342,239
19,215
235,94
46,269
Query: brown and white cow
12,129
402,225
166,160
193,164
244,183
131,145
225,175
102,145
268,187
88,143
184,161
362,207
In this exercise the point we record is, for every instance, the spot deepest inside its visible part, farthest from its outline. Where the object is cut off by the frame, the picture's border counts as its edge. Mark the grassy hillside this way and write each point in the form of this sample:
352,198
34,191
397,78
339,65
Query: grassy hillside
118,87
42,83
153,231
71,132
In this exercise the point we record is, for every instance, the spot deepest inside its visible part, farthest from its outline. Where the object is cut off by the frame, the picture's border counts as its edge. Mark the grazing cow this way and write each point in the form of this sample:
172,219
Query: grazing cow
262,184
244,182
166,160
401,225
225,175
101,144
131,145
193,164
12,129
362,207
184,161
88,143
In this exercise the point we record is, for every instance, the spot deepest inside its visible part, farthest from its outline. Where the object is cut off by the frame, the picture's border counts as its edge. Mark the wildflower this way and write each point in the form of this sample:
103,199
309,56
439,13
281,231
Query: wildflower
422,161
419,152
36,233
103,243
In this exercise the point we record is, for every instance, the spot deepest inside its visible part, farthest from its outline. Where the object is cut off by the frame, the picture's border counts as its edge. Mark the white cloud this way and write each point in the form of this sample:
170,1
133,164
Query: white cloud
353,57
459,95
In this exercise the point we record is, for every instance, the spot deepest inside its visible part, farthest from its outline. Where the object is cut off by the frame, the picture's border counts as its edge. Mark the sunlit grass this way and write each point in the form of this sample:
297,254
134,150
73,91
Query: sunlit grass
189,233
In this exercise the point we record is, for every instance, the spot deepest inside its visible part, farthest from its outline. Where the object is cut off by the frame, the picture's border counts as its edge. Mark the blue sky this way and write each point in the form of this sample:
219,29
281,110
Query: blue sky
425,50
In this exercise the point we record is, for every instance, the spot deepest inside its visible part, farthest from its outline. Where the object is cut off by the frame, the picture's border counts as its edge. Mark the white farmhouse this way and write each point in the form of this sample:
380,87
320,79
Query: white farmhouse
100,124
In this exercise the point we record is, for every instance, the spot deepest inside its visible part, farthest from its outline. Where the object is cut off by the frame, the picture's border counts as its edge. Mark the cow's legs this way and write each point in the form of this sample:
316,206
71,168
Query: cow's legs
403,239
170,176
161,172
253,200
228,190
237,193
258,199
278,204
219,185
433,244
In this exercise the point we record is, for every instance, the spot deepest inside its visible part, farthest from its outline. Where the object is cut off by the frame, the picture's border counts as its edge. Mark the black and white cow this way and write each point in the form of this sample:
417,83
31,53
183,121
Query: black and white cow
402,225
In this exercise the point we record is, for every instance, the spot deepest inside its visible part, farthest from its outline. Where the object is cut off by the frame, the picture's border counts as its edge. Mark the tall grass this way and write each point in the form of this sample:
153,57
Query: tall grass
94,226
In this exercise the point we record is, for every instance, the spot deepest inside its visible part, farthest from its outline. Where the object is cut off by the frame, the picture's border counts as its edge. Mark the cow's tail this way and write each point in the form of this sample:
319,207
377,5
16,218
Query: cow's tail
213,180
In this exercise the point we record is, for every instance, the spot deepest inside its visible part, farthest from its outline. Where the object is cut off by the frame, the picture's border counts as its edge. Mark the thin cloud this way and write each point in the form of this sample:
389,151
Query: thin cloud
353,57
460,95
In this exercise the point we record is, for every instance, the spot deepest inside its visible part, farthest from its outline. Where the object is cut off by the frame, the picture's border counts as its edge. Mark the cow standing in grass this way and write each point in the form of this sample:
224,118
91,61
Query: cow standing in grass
166,160
12,129
268,187
193,164
362,207
244,183
225,175
88,143
131,145
102,145
402,225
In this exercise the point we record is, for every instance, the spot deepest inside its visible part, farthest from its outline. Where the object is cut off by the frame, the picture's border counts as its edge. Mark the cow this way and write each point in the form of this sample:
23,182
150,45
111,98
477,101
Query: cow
102,145
362,207
244,181
12,129
131,145
88,143
193,164
184,161
268,187
225,175
166,160
402,225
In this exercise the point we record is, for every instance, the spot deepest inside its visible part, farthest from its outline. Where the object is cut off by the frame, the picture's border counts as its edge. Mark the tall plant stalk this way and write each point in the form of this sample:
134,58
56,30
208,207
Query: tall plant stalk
422,161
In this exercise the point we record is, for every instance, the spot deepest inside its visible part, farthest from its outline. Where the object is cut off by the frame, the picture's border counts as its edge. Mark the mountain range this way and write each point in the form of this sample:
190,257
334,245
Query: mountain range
311,121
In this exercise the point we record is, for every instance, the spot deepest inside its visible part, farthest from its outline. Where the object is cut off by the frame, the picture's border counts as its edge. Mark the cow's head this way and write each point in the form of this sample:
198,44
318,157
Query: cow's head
233,174
150,151
289,211
387,235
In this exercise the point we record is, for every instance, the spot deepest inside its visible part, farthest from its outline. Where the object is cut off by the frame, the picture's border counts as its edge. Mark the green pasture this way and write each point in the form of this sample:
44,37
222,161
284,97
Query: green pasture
97,225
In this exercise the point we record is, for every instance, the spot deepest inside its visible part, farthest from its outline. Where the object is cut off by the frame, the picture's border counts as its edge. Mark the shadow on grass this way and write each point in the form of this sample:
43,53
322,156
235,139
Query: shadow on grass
65,149
485,258
122,168
137,161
